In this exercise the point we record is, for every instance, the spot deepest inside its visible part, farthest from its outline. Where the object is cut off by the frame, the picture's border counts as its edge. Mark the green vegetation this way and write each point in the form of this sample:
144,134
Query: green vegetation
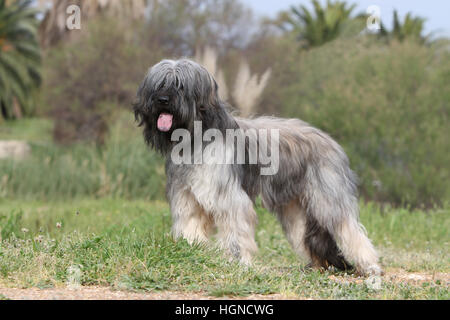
127,245
122,168
87,205
388,107
36,130
19,58
411,28
84,102
316,28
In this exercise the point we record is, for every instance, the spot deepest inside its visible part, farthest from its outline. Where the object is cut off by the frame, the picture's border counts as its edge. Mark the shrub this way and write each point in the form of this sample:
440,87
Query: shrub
86,76
388,106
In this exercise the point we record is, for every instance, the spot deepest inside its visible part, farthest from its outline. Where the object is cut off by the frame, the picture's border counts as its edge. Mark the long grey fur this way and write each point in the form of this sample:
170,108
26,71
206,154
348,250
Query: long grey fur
313,194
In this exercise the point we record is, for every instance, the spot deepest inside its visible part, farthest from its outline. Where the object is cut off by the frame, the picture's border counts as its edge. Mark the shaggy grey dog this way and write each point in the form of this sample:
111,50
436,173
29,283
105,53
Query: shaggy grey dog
313,193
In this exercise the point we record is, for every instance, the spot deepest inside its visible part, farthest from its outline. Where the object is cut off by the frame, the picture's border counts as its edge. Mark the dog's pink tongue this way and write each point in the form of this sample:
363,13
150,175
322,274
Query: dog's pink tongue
165,122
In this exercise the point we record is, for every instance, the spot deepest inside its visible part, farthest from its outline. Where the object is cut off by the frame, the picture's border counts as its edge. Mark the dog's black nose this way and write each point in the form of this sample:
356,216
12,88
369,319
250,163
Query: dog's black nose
163,99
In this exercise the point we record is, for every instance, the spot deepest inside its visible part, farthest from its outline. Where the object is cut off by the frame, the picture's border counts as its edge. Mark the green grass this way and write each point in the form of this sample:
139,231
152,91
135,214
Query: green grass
127,245
38,130
124,167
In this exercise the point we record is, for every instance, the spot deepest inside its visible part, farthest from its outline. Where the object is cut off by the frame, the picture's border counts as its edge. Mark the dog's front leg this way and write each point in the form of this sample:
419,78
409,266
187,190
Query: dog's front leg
237,233
190,221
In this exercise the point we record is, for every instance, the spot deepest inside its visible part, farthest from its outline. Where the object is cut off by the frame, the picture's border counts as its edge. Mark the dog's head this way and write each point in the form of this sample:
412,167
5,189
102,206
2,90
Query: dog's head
173,95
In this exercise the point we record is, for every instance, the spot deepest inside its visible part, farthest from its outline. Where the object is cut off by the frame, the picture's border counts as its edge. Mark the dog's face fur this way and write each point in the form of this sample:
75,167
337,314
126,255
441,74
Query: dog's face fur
173,95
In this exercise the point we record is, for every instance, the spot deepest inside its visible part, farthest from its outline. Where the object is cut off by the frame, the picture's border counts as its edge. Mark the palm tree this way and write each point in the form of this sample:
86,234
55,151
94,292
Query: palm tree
412,27
318,27
20,57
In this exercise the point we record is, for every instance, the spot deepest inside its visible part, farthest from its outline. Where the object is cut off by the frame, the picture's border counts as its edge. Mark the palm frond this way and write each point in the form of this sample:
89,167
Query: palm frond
319,25
20,57
411,27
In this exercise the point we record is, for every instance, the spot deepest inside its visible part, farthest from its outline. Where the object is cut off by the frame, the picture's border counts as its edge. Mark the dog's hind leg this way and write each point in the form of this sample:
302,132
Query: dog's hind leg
190,221
335,235
355,245
308,239
293,221
333,224
322,247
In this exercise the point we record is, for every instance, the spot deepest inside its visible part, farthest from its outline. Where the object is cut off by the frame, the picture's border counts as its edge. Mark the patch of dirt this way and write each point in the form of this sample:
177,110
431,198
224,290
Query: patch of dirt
400,276
417,277
105,293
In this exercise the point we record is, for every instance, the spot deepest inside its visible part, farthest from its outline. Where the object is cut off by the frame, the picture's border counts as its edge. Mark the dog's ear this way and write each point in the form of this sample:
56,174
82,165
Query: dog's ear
209,101
213,98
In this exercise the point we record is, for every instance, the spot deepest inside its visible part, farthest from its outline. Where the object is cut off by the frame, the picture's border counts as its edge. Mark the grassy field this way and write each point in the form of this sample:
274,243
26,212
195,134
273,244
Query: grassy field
126,245
86,216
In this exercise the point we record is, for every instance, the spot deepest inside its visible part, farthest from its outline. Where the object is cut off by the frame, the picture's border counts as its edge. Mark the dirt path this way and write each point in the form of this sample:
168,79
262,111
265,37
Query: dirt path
399,275
105,293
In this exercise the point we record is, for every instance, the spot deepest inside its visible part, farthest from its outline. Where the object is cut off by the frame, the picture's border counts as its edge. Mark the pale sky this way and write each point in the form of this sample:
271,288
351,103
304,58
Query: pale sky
437,12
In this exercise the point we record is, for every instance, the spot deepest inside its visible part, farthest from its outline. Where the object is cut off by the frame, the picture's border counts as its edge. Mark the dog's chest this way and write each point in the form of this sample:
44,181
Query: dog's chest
216,187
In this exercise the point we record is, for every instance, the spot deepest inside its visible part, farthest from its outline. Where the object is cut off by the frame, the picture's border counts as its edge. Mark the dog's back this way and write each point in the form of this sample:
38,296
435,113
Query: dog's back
307,153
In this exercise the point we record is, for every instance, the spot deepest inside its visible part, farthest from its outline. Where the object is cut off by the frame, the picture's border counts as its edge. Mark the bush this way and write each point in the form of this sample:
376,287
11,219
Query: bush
85,77
104,63
388,106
